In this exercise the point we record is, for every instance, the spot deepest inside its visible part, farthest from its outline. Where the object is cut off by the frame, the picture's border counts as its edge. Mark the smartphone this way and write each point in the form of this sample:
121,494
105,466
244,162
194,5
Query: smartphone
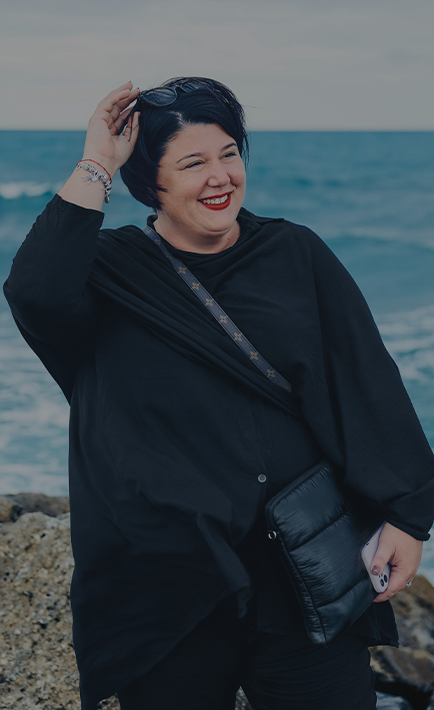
380,582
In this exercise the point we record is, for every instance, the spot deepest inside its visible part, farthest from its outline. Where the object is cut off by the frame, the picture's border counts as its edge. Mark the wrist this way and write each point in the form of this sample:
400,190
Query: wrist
97,172
102,163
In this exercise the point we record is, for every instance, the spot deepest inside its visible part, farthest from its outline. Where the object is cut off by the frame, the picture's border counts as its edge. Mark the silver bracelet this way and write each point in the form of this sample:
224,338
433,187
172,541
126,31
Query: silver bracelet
95,174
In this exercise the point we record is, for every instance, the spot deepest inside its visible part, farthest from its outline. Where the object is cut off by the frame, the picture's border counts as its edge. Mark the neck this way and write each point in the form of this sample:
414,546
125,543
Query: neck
197,243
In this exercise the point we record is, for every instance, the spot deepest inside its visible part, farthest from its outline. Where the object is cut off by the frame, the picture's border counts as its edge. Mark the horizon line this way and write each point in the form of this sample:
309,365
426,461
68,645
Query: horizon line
252,130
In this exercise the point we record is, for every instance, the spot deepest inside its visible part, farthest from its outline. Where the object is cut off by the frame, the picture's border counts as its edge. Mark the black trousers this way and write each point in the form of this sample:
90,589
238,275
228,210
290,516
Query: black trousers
276,672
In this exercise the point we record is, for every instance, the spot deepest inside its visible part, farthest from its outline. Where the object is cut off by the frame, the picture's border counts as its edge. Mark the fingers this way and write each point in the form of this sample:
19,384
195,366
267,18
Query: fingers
403,552
398,581
123,103
385,552
132,128
105,127
122,120
115,102
114,96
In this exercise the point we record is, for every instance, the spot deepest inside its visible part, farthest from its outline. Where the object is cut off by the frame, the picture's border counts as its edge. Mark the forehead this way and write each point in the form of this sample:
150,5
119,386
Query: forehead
198,138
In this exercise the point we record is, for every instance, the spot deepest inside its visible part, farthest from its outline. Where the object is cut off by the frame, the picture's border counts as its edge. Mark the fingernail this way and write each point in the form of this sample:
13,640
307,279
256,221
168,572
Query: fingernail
375,569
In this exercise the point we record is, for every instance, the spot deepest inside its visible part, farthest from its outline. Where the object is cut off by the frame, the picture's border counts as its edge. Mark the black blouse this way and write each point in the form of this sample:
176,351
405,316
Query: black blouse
177,441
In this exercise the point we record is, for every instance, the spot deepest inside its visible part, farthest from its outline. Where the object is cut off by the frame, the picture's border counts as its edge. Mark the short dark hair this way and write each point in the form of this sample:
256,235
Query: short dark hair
157,125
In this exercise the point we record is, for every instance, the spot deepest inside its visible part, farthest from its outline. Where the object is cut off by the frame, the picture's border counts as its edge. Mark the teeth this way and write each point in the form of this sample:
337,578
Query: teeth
216,201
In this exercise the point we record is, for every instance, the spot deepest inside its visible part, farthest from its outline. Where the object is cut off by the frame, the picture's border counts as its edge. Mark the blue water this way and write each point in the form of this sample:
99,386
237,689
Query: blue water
369,195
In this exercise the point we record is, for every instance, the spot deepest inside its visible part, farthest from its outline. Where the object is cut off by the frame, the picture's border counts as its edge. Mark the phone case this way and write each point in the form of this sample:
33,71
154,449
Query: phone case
379,582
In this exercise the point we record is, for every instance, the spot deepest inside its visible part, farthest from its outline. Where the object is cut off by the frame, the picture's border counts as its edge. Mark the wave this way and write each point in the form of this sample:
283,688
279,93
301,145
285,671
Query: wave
409,337
30,188
16,190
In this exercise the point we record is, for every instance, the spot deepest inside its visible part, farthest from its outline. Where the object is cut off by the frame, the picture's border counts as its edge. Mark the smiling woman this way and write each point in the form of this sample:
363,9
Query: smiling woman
212,179
189,161
178,440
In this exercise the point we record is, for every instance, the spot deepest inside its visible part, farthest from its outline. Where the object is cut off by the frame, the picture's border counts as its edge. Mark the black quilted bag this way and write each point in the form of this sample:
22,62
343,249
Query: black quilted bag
319,536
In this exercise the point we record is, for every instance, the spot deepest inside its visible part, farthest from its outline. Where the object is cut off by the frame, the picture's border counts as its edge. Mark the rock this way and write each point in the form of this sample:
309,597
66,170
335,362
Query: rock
414,611
409,669
241,702
10,510
392,702
414,666
40,503
37,662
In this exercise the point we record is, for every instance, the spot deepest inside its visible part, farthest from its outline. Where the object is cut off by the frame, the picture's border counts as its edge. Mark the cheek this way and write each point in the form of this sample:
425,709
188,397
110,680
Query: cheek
239,176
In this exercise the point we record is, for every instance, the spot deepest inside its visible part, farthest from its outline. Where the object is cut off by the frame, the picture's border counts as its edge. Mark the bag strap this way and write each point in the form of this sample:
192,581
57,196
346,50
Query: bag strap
221,317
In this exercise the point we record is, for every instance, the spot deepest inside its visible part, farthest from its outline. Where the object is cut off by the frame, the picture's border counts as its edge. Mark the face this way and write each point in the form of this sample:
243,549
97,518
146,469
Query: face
205,179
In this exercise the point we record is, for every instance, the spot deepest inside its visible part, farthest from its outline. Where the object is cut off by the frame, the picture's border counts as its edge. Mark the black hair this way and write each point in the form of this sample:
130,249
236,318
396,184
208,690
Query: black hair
212,103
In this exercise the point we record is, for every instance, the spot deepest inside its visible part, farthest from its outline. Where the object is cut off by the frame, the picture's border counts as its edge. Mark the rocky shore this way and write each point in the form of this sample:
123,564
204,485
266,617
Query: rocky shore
37,663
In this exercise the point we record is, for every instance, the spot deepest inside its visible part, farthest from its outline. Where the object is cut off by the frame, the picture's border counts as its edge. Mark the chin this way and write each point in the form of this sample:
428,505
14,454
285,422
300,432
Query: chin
221,220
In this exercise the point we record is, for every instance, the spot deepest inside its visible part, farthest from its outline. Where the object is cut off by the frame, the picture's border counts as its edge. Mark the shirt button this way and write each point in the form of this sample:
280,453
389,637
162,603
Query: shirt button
262,478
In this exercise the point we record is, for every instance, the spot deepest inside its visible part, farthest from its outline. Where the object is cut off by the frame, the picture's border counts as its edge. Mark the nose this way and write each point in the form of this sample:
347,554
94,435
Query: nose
218,176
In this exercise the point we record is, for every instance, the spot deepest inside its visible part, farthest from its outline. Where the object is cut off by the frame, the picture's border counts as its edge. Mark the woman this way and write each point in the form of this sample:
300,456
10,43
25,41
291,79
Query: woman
177,441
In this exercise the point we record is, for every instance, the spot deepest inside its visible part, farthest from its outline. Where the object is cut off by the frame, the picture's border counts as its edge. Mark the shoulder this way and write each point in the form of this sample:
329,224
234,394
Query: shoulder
300,249
280,229
128,238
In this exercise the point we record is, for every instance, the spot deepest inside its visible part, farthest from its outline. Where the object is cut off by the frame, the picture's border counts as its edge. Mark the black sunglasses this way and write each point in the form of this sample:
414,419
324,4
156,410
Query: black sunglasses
166,95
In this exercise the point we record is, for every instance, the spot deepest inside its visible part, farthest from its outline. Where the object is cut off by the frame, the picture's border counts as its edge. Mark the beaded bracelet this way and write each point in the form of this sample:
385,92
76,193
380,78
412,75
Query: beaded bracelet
95,174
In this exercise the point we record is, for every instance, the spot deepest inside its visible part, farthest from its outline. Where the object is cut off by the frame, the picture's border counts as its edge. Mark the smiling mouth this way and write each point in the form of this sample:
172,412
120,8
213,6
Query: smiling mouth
219,202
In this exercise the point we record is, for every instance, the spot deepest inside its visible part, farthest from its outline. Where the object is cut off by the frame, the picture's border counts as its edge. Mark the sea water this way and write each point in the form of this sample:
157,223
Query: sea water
368,195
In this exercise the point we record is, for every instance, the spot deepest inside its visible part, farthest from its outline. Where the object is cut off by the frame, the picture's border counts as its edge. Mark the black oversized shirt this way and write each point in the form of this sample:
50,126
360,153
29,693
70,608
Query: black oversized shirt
177,441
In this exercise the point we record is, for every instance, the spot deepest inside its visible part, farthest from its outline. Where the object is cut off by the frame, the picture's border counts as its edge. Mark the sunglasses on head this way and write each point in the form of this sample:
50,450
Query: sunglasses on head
166,95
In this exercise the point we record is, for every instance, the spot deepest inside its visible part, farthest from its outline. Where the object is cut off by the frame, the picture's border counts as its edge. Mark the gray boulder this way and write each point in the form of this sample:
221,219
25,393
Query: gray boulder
10,510
37,662
409,669
392,702
39,503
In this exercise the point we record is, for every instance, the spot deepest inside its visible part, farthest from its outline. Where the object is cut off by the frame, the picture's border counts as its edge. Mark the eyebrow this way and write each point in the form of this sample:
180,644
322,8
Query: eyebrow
199,155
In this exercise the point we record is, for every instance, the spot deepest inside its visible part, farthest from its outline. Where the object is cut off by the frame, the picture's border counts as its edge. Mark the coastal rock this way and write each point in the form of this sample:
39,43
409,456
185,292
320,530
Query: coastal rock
391,702
40,503
37,662
409,669
241,702
10,510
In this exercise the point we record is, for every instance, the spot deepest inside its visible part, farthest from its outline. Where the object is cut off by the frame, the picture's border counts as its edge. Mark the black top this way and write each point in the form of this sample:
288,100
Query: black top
173,429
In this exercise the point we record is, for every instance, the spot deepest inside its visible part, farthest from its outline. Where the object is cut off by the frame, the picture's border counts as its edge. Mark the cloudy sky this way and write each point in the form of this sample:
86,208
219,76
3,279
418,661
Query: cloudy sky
294,64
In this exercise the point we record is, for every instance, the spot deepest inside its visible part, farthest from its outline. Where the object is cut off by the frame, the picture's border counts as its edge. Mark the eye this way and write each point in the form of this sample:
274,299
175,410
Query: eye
193,165
230,154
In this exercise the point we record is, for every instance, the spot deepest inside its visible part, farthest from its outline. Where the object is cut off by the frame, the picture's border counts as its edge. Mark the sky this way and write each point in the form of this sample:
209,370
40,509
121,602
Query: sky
293,64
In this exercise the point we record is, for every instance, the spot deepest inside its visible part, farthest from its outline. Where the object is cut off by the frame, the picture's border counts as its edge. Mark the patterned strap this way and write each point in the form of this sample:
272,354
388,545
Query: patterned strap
221,317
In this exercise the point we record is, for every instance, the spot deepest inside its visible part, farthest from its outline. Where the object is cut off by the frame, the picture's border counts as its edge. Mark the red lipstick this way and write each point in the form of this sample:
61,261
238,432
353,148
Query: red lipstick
222,205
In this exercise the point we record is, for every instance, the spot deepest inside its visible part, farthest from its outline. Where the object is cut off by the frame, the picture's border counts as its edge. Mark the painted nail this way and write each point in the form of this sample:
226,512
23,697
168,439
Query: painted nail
375,569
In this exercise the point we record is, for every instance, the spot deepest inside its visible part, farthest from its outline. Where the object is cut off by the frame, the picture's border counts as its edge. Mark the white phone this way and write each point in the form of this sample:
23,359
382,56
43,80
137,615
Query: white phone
380,582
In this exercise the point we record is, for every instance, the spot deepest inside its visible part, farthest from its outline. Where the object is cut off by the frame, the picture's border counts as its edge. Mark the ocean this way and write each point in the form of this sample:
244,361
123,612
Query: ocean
369,195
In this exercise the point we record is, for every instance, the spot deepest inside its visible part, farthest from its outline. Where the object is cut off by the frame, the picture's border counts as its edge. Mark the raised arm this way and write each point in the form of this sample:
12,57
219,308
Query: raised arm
106,146
47,287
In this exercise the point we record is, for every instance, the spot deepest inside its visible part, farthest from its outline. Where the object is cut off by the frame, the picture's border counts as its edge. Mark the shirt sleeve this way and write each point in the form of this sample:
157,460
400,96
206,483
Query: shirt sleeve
388,461
47,287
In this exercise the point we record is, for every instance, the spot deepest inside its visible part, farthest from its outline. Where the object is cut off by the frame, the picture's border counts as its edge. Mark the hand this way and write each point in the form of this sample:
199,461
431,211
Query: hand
403,552
105,142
